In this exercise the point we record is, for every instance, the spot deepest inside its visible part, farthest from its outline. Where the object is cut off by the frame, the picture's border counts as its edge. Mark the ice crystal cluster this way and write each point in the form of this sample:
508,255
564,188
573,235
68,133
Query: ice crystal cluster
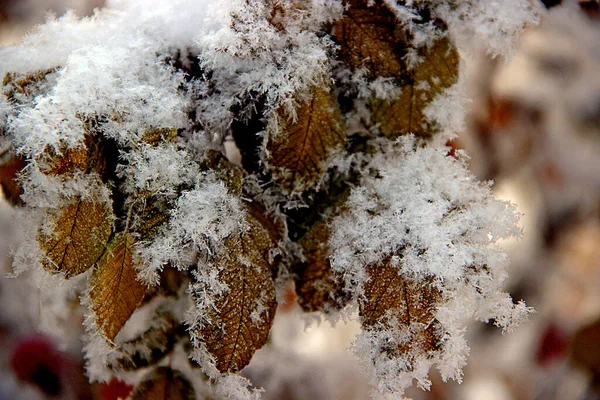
113,133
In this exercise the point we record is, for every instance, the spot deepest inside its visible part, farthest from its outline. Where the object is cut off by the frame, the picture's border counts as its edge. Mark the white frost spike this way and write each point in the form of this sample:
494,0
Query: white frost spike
201,220
429,208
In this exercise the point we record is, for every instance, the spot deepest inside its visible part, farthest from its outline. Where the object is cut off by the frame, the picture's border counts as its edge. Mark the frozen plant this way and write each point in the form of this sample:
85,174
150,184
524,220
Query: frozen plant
113,136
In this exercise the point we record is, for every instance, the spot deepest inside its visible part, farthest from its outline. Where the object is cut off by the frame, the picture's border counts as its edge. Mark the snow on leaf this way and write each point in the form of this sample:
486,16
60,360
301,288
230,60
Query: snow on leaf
148,218
86,157
81,229
22,88
391,299
317,287
115,291
242,316
298,149
405,114
370,37
437,226
231,174
164,384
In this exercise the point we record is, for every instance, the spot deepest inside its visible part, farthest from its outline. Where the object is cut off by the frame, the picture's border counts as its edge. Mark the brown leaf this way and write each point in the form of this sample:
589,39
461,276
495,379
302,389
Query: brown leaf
405,114
390,298
370,37
316,285
86,157
297,150
241,321
164,384
115,291
81,230
274,224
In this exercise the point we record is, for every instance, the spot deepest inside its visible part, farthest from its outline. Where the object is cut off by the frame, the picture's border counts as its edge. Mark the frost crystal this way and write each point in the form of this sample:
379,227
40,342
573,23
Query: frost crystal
113,131
427,212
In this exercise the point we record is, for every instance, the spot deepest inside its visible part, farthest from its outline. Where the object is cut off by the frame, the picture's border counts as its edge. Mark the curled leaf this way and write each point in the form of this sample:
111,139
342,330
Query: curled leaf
241,319
164,384
298,149
115,291
81,230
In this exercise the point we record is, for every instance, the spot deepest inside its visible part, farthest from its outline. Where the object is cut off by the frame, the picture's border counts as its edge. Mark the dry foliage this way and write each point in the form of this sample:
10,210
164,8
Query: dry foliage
393,300
81,229
115,290
243,315
298,149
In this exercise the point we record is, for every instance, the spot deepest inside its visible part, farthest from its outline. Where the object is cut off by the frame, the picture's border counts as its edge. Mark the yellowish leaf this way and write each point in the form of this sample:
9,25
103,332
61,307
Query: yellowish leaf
241,320
232,175
298,150
81,230
115,290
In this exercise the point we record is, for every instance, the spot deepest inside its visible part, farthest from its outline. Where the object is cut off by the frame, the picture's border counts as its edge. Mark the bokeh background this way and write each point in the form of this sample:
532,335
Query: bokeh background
533,128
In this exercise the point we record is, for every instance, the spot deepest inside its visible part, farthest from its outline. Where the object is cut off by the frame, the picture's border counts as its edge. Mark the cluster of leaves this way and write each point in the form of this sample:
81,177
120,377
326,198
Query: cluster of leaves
158,220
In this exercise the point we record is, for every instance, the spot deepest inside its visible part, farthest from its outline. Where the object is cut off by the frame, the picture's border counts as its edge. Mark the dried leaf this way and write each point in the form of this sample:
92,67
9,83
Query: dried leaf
164,384
243,315
405,114
115,291
391,299
81,230
370,37
151,347
89,156
316,285
298,150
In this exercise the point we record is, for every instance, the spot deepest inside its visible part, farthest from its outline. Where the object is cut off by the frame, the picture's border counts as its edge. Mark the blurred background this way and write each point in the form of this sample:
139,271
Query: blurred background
533,128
